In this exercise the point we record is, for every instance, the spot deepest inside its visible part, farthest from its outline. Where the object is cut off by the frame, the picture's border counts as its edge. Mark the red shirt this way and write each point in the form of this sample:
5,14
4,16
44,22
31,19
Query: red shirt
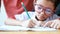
14,7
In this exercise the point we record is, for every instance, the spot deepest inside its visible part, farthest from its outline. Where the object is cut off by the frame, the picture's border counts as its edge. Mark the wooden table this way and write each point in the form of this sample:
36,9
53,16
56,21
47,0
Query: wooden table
30,32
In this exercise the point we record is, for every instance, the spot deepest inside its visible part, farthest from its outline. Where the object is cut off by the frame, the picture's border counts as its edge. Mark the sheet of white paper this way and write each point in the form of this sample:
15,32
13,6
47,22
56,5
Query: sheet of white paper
43,29
6,27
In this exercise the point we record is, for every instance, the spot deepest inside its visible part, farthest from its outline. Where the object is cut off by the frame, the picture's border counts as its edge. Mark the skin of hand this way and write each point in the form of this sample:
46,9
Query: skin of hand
34,23
53,24
31,23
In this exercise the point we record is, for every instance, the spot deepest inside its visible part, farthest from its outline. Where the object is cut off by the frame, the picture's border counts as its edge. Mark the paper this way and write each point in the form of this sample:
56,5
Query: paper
25,28
43,29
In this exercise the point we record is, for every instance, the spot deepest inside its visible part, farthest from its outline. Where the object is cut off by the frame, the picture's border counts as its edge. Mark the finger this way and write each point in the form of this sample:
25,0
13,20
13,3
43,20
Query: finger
55,26
47,24
58,27
33,24
52,25
32,21
30,25
42,24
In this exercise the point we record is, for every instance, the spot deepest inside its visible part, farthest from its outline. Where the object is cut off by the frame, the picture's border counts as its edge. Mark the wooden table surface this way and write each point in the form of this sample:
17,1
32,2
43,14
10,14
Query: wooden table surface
30,32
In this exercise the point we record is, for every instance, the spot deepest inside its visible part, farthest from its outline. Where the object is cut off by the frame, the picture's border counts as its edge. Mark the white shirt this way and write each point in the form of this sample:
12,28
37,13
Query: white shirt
24,16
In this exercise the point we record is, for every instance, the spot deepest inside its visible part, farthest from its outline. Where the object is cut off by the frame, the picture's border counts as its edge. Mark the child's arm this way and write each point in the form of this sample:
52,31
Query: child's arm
27,23
10,21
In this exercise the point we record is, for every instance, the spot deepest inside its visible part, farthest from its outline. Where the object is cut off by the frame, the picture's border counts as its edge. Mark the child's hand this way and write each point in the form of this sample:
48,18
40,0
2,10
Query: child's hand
53,24
33,23
29,23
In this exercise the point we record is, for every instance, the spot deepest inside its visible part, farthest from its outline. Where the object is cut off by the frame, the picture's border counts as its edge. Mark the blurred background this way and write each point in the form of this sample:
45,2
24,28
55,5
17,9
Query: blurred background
12,7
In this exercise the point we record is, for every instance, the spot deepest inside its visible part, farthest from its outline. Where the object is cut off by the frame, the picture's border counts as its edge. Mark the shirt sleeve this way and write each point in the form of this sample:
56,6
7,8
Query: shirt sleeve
22,16
56,16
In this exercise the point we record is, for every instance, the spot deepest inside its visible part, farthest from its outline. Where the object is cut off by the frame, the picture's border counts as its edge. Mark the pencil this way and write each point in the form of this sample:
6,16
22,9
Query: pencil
25,10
